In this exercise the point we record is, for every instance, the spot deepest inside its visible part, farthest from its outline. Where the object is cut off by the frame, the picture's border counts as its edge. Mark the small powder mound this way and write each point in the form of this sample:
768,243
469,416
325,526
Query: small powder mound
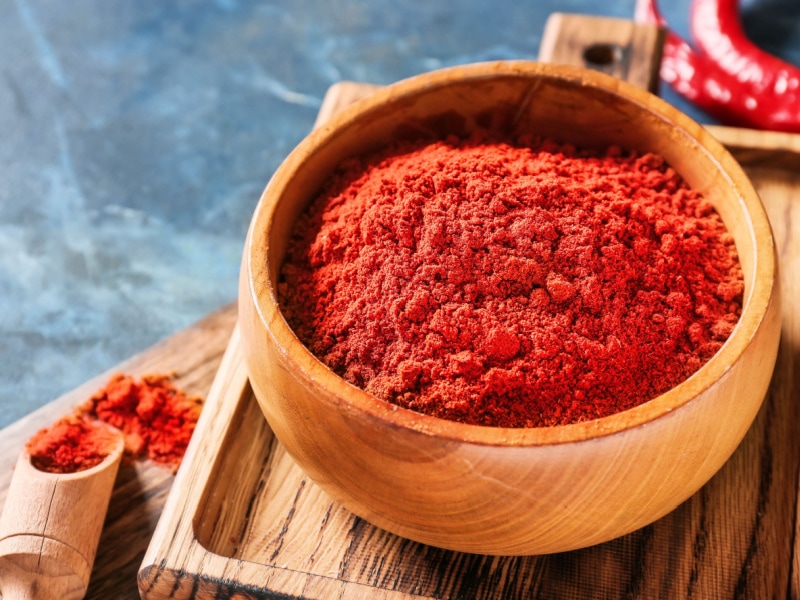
520,284
156,418
71,445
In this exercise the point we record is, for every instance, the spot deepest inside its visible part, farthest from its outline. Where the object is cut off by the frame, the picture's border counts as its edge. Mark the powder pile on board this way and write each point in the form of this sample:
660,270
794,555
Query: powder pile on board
513,284
156,418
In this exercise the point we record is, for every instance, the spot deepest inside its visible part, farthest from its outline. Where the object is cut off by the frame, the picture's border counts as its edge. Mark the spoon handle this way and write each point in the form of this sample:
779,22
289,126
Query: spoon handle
50,528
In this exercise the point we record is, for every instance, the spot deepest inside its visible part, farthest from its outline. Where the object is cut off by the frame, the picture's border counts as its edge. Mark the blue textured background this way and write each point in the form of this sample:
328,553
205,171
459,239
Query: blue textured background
136,137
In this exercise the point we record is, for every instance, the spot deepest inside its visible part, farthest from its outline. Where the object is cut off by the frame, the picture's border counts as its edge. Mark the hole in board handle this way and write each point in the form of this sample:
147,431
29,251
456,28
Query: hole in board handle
602,55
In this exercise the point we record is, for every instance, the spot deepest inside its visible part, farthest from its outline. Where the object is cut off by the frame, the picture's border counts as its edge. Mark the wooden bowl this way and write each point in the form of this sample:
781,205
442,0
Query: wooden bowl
495,490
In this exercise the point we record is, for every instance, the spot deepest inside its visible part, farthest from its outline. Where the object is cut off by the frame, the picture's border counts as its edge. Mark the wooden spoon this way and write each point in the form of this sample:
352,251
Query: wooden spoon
50,528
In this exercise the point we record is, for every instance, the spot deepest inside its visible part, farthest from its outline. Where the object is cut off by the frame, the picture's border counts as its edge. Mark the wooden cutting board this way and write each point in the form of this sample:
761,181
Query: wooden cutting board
243,521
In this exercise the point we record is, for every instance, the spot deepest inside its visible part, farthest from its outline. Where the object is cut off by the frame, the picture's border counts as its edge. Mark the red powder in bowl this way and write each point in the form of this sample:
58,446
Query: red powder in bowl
519,284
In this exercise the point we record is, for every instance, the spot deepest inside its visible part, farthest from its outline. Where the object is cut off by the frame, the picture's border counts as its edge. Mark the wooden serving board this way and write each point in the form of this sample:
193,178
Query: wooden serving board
240,520
244,521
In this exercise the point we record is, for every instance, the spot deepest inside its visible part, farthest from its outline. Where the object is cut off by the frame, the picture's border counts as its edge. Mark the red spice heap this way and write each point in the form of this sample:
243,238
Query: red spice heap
156,418
517,285
71,445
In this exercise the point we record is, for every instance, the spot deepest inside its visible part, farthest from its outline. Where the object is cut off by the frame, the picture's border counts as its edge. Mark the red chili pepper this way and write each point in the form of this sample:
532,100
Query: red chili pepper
728,77
773,83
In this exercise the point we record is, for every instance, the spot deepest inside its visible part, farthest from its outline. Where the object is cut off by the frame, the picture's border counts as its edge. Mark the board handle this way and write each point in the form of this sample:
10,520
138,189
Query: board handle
618,47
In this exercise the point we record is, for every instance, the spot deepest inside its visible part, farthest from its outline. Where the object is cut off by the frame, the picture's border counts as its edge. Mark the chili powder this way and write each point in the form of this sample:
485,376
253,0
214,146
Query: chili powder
157,419
70,445
520,283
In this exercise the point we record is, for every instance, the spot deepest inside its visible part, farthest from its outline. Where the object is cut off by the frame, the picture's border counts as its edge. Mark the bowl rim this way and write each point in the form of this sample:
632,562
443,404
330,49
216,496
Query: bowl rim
353,400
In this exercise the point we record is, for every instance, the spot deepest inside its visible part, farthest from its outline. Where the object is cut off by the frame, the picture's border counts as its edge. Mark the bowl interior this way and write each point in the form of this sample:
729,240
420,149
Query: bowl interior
566,104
